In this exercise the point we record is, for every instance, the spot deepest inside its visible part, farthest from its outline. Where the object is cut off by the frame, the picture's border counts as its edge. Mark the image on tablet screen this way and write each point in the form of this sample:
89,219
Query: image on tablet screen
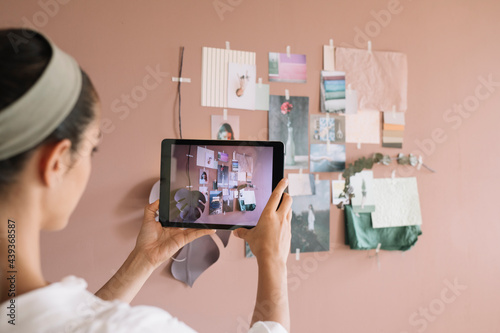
228,185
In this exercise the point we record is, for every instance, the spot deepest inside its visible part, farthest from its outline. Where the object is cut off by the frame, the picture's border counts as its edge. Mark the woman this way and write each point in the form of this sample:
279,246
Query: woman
225,132
49,128
311,218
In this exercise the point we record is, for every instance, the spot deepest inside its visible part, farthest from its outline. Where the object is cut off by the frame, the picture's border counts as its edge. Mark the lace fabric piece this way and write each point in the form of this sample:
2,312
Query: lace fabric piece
397,202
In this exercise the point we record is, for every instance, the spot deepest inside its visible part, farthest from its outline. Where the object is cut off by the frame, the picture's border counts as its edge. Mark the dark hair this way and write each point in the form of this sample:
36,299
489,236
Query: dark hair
225,128
22,62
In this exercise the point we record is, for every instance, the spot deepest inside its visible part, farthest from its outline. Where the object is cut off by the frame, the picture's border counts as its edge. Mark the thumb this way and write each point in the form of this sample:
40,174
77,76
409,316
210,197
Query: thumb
240,233
150,211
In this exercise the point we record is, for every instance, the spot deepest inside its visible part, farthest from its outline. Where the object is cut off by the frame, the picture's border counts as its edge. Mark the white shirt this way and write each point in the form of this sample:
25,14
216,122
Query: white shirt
68,306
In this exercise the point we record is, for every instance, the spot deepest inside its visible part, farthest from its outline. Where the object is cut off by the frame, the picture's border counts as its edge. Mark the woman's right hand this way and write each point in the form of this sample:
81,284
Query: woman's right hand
270,239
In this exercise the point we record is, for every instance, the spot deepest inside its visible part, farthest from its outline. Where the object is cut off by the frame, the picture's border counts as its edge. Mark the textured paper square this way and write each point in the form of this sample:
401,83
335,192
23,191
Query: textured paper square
363,127
397,202
380,78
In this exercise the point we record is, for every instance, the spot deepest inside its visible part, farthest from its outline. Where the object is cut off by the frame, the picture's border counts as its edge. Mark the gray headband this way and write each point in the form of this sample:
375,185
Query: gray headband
30,119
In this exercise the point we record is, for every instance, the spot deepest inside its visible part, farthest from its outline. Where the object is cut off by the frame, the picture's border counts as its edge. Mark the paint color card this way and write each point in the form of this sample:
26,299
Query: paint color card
262,97
397,202
363,127
214,73
393,130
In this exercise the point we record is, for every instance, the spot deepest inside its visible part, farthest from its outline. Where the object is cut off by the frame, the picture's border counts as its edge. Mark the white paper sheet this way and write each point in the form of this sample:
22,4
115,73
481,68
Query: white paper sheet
328,58
397,202
249,197
300,184
242,176
363,127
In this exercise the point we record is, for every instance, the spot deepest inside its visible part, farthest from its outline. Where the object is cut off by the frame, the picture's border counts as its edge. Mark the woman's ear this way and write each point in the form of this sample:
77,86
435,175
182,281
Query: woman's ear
55,161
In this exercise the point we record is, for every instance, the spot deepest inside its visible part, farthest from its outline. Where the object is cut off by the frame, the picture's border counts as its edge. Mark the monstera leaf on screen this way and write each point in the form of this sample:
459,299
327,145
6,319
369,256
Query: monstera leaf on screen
191,204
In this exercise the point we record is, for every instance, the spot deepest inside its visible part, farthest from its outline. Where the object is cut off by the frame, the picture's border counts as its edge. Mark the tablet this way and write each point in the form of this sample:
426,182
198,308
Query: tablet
217,184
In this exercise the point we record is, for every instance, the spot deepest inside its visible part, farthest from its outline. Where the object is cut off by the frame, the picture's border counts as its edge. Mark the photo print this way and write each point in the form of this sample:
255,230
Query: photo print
228,129
333,92
204,190
215,203
234,165
233,179
203,176
338,195
287,68
324,128
222,157
241,86
327,158
228,202
288,123
205,158
311,220
223,176
363,200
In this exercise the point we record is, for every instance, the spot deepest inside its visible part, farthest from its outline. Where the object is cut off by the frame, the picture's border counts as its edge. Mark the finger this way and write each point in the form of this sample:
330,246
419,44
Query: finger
289,216
192,234
240,233
150,211
274,200
286,204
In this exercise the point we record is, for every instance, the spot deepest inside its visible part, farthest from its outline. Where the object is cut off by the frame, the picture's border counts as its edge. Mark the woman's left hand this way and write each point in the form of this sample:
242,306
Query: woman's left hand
158,243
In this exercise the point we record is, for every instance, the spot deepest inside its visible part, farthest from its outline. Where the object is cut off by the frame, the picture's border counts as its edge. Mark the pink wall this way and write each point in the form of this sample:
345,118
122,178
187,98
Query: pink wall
451,46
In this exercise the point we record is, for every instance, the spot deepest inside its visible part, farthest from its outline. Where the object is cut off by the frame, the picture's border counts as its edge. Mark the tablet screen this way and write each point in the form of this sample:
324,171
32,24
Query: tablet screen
216,184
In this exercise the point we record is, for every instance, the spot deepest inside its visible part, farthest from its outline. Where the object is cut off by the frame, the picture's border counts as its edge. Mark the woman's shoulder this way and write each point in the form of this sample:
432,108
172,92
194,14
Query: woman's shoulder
68,306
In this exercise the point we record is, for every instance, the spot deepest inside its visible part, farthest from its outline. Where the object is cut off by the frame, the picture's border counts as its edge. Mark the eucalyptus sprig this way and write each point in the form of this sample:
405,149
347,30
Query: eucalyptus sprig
367,163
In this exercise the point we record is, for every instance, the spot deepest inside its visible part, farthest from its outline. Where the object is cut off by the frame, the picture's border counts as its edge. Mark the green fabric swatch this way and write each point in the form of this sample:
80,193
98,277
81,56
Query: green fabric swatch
360,235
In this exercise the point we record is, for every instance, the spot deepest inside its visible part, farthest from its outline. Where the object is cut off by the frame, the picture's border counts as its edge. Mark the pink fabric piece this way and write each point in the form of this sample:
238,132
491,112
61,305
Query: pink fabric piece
380,78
